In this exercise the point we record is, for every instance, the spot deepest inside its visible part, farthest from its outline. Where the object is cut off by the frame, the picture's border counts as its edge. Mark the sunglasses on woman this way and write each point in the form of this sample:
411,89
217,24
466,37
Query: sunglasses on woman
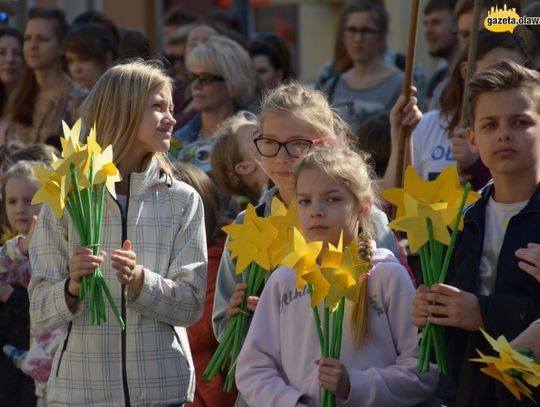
204,78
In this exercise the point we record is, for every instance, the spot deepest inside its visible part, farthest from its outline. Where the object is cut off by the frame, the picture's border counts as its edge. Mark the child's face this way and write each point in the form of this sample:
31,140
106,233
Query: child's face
326,207
156,126
83,70
19,210
506,133
283,128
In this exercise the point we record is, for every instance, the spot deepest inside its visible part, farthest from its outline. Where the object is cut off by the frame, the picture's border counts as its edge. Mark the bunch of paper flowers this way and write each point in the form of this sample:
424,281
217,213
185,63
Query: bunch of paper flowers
514,368
77,182
425,211
258,245
339,276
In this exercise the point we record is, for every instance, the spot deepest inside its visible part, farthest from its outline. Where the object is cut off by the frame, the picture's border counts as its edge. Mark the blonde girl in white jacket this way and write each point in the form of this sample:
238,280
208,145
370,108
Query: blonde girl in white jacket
154,260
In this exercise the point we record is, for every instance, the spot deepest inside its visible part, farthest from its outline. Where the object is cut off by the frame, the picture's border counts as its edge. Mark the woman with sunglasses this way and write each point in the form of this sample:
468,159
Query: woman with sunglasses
293,121
364,84
221,81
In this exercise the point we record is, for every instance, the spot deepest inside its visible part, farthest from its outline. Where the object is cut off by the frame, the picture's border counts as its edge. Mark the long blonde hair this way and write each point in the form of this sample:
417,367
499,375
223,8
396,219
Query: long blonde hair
308,105
350,169
117,102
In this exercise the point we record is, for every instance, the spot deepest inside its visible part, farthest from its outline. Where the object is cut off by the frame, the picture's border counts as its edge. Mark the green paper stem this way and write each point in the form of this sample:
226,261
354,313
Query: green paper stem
79,203
446,263
432,250
425,346
326,328
336,352
221,353
440,350
317,318
115,311
424,264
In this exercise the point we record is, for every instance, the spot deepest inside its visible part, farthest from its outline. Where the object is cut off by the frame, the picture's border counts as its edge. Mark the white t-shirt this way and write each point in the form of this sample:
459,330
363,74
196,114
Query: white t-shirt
497,217
432,149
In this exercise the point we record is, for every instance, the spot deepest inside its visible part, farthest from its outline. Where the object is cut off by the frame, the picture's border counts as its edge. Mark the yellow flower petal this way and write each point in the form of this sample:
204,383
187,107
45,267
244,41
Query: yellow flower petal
251,240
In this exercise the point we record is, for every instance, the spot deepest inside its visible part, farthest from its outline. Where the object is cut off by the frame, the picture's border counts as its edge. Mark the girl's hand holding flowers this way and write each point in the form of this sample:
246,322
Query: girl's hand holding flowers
81,263
334,377
124,261
233,307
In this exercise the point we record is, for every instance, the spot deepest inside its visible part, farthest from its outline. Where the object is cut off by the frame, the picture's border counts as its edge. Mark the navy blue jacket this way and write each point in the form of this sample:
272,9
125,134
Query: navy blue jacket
513,304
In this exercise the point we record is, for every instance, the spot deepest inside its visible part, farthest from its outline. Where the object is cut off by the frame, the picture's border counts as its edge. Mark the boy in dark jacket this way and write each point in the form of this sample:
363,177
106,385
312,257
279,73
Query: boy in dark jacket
486,286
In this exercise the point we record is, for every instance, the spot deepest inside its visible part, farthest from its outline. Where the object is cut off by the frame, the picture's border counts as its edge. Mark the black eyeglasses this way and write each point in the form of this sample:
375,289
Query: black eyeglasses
363,32
296,148
204,78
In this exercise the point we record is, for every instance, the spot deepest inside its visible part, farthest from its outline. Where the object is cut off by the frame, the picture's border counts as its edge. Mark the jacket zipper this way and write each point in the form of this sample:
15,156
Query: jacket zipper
123,301
63,349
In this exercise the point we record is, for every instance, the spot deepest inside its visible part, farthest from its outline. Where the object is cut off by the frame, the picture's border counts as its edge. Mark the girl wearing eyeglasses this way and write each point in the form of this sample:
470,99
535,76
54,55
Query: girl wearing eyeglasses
365,84
293,121
222,81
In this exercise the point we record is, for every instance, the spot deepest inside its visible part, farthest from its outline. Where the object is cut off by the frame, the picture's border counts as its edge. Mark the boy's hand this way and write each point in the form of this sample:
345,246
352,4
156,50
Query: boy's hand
454,307
460,149
419,306
334,377
124,261
531,259
529,339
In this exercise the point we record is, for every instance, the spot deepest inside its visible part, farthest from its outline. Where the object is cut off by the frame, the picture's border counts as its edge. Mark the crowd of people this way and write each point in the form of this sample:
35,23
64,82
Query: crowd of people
211,121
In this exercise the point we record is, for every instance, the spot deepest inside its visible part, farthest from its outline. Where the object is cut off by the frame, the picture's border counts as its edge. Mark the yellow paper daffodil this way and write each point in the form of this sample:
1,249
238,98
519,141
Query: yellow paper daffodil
53,190
450,190
105,171
78,159
70,142
445,188
283,219
302,257
511,368
414,221
251,240
93,149
344,271
412,185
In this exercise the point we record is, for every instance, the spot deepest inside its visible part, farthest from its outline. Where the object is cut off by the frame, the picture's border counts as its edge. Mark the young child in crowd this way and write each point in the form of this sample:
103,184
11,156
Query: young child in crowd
234,168
293,121
156,266
18,188
278,366
486,287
